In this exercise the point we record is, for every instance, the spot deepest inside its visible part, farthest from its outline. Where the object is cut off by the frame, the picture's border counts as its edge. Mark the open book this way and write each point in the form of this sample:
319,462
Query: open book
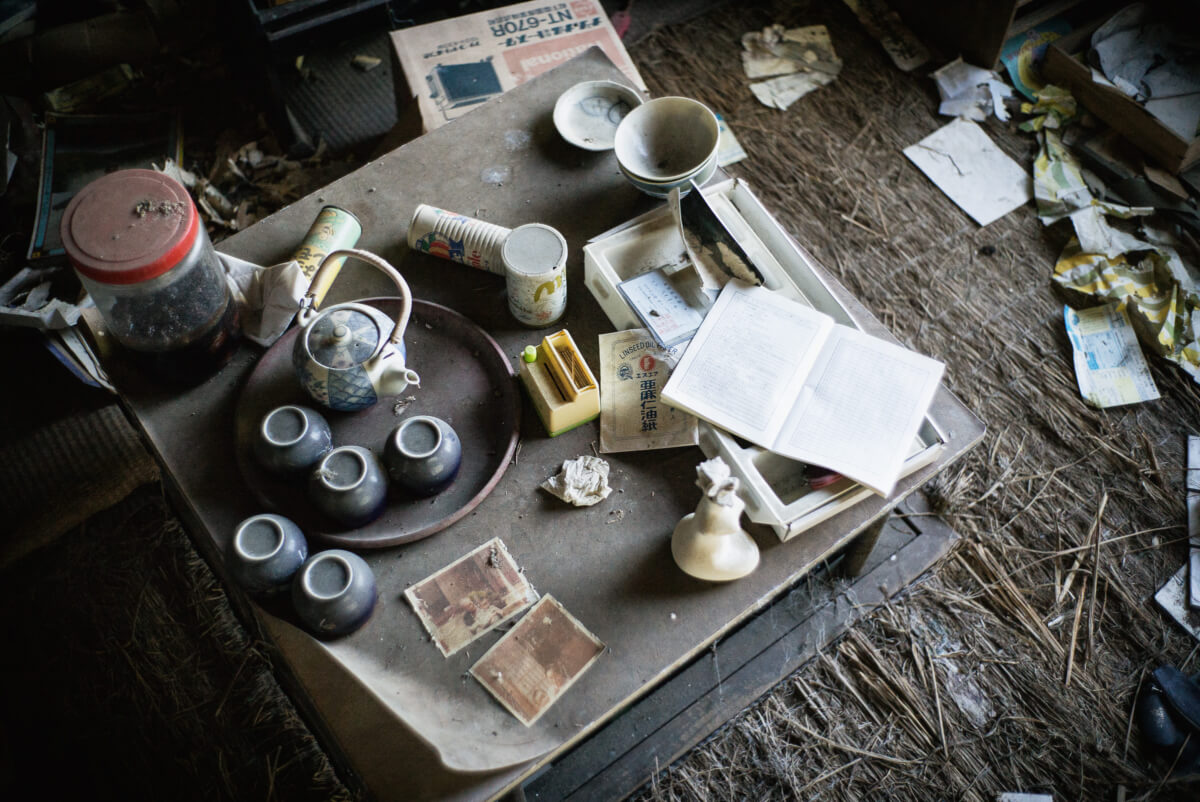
786,377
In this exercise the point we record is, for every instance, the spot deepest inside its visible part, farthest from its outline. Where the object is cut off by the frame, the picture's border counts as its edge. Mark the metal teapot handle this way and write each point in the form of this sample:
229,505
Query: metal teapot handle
322,280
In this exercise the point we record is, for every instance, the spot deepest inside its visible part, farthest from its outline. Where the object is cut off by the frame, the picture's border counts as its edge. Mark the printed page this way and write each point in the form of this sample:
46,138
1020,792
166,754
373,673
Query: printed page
860,408
745,366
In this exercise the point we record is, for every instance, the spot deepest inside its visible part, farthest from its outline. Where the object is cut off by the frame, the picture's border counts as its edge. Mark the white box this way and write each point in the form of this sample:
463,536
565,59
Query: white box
774,487
450,66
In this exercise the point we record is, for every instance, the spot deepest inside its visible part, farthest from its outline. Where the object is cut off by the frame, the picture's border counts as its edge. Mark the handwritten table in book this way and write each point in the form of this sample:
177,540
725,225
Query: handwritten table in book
399,717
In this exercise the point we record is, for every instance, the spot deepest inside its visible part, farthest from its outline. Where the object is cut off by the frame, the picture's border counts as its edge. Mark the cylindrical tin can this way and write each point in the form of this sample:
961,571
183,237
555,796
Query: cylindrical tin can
535,269
449,235
334,229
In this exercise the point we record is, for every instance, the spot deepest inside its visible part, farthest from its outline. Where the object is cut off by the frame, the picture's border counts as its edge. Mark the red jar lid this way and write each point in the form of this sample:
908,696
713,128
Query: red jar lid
129,226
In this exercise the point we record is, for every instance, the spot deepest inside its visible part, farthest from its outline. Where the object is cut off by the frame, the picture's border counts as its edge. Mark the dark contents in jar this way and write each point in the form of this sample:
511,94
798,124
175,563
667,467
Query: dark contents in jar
173,316
196,360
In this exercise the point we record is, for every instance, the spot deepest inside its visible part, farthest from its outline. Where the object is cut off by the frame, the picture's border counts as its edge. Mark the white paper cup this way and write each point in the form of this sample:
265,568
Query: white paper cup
449,235
535,270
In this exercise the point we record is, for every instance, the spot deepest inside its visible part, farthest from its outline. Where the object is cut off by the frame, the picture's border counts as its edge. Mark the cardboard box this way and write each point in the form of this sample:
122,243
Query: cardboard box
1124,114
447,68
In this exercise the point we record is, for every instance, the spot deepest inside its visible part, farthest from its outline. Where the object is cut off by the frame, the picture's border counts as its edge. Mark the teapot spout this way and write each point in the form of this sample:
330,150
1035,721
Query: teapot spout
394,382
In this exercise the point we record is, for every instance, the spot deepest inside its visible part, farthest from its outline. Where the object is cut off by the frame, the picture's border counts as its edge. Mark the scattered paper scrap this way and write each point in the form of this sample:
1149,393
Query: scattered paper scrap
1109,364
1173,598
1053,108
965,164
472,595
885,26
779,51
582,481
1060,188
538,660
633,416
1159,294
971,92
1016,796
781,92
803,58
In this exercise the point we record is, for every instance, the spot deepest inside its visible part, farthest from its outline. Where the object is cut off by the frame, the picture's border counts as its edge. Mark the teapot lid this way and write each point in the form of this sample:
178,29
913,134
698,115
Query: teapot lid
343,337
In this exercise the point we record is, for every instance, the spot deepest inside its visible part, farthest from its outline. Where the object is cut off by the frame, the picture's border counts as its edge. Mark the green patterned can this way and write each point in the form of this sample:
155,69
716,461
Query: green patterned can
334,228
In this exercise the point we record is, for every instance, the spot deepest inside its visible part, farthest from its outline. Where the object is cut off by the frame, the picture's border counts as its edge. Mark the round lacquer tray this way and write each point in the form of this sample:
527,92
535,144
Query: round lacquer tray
466,380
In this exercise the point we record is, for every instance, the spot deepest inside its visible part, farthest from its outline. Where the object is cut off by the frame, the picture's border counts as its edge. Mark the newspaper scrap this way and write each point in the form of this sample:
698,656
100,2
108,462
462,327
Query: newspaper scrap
472,595
538,660
1159,294
1061,191
1109,364
971,92
803,58
973,172
886,27
582,481
633,416
1173,598
1054,106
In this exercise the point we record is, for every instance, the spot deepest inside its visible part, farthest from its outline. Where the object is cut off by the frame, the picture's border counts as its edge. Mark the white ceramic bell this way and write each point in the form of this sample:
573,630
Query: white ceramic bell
710,543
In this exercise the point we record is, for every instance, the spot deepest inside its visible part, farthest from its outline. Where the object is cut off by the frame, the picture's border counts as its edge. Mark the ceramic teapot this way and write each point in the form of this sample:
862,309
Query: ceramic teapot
350,355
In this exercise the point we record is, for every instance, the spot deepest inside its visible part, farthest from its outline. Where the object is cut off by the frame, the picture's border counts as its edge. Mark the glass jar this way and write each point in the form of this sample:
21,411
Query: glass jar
137,243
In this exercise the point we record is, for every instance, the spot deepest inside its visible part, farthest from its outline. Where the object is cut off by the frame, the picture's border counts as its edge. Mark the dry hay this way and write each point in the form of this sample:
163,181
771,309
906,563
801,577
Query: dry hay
132,679
1015,666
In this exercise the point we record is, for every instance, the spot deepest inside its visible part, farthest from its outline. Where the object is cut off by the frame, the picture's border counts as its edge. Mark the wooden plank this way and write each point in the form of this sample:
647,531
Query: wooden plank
1121,112
686,709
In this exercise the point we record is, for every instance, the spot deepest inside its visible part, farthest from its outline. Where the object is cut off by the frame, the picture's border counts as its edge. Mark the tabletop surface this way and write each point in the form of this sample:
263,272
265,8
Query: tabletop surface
385,693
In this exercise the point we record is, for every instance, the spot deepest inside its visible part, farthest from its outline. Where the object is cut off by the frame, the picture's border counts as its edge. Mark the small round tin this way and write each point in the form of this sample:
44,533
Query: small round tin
535,270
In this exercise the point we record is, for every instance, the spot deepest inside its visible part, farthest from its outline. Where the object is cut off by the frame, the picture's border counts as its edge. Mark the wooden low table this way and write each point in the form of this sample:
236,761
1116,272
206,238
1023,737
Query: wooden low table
402,719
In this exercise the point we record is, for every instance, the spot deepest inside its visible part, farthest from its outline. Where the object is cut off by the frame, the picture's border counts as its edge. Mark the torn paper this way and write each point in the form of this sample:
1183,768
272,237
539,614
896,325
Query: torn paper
1109,365
472,595
633,416
971,92
1158,292
778,51
582,481
781,92
803,58
538,660
1061,190
269,297
973,172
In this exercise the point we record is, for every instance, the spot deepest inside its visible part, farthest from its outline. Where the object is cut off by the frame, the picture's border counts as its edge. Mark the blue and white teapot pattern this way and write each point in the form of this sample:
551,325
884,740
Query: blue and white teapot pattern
350,355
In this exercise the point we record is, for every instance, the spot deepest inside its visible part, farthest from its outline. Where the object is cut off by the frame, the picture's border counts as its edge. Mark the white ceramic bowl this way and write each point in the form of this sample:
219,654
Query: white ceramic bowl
587,114
663,189
666,139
